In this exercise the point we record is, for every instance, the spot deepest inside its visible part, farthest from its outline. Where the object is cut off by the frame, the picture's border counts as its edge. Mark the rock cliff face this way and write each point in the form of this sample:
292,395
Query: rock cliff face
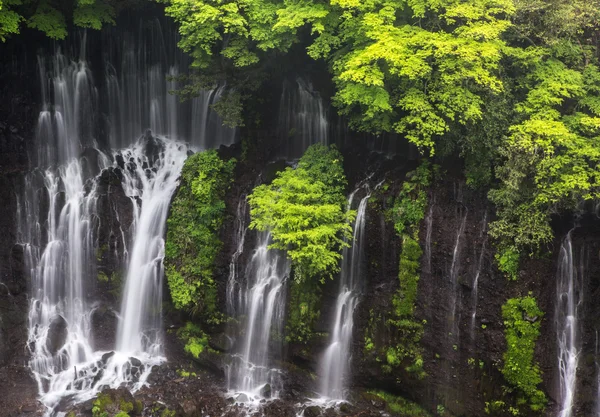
460,291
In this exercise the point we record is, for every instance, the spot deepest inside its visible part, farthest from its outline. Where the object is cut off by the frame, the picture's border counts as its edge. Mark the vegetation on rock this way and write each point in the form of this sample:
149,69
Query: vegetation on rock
193,227
522,318
304,209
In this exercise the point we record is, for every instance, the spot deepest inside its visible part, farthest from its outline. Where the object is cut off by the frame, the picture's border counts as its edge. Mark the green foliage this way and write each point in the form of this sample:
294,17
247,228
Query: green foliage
408,212
415,68
508,262
50,17
509,85
522,319
400,406
110,405
304,209
192,244
304,304
409,207
196,341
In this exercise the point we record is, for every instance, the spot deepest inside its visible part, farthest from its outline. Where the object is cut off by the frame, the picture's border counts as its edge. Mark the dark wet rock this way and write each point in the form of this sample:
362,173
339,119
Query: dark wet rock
278,408
105,358
242,398
57,335
312,411
189,408
220,342
135,362
265,391
346,408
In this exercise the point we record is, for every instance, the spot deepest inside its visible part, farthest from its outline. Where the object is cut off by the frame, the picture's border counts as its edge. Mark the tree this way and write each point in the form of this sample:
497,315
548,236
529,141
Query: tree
304,209
52,17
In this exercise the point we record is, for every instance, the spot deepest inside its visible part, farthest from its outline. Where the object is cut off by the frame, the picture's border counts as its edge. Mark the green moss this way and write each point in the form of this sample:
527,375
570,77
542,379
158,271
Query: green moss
407,213
305,297
186,374
399,405
508,262
102,277
196,341
192,244
168,413
522,319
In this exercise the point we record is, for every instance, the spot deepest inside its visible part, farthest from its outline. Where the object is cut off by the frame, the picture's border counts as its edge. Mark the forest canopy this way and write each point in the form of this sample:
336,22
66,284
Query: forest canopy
511,86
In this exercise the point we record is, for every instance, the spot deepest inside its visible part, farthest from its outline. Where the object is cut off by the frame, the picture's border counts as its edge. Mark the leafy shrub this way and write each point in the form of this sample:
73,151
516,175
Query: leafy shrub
522,328
304,208
193,227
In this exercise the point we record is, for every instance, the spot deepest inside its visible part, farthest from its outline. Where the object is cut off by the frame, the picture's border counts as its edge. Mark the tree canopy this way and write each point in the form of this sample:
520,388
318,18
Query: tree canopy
509,85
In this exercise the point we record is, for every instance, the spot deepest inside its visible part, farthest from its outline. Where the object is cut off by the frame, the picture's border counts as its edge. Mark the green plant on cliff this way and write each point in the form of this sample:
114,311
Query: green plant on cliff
193,226
407,214
194,339
304,208
53,17
522,318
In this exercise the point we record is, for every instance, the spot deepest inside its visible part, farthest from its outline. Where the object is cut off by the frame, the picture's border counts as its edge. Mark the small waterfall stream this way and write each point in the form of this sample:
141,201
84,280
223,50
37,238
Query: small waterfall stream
302,118
569,298
336,359
484,236
262,303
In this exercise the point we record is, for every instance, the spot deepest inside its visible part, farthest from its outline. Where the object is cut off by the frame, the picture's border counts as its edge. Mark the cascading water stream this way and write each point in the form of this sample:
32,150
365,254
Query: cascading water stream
302,118
484,236
569,297
233,292
151,176
262,302
454,272
336,360
59,222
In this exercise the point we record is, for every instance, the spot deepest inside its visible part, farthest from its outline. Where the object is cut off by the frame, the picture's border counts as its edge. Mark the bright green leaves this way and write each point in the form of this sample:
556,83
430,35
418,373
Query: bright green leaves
551,155
50,16
93,14
248,26
9,19
49,20
193,226
413,67
304,209
522,319
415,80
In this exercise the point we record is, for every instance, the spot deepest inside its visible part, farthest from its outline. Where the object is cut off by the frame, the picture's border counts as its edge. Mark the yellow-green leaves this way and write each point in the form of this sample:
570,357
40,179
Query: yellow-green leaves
304,209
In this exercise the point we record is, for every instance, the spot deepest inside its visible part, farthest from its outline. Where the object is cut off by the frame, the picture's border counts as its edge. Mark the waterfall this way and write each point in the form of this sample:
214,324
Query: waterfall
302,118
454,271
151,179
262,303
428,232
336,360
84,128
233,293
569,297
484,236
